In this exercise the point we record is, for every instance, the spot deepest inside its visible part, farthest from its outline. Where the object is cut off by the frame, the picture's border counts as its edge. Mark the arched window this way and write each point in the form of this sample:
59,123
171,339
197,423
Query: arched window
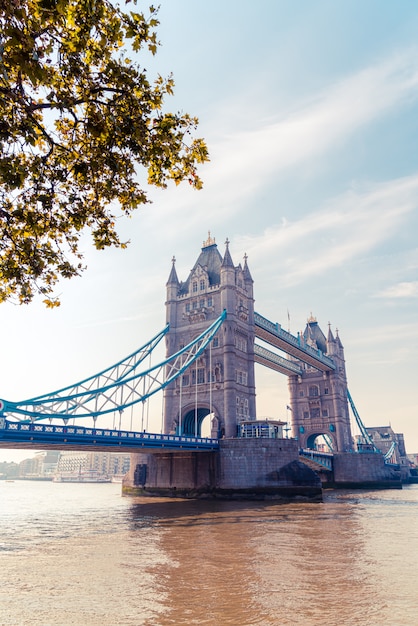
313,391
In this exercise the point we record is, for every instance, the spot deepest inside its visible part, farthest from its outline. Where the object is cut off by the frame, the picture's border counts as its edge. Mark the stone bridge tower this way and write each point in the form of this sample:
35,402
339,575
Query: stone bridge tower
221,382
319,399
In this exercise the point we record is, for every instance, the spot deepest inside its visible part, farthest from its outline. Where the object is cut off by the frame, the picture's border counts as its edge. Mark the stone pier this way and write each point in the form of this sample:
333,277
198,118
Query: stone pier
246,469
364,471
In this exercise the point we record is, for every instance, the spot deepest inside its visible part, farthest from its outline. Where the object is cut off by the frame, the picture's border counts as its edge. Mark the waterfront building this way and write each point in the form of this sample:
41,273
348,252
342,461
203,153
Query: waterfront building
388,442
103,463
42,465
8,470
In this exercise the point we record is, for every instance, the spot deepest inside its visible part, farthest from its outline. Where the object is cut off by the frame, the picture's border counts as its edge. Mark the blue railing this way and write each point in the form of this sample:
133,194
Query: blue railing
322,458
55,435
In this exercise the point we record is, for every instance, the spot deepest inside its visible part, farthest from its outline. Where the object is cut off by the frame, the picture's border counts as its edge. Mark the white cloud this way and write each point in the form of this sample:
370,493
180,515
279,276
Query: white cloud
348,227
400,290
244,163
384,335
315,126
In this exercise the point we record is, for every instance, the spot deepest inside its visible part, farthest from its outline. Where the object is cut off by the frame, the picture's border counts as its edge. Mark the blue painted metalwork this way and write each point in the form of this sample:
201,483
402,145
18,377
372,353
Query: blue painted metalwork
328,441
360,424
322,458
20,434
114,389
274,334
275,361
390,452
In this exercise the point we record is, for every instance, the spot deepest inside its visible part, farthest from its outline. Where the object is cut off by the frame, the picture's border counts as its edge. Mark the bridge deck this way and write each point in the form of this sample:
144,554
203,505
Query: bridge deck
274,335
19,435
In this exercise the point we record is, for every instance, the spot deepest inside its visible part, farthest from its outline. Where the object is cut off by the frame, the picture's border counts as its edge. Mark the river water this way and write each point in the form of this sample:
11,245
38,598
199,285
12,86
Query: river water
81,555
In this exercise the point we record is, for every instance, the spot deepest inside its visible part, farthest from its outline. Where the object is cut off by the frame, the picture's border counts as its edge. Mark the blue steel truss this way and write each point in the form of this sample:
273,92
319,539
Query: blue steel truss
360,424
391,452
114,389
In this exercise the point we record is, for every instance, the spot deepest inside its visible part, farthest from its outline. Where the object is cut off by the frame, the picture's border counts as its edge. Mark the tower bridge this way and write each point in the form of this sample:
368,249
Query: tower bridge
209,370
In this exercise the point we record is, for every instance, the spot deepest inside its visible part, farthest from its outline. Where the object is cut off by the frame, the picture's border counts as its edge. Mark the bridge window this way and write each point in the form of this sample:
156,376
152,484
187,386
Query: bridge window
242,408
202,285
315,413
301,394
195,304
241,343
215,342
188,307
241,377
199,376
313,391
186,380
194,287
202,304
210,302
306,415
326,391
325,413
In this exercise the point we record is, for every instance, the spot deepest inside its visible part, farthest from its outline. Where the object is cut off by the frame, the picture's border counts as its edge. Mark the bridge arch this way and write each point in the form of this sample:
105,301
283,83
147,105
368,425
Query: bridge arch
193,418
327,437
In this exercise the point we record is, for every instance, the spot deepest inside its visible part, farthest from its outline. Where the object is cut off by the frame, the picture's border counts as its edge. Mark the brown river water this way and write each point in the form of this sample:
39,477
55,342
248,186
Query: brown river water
81,555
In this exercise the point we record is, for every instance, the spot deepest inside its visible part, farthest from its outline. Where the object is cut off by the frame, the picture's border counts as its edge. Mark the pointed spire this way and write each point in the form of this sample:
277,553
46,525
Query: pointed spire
330,335
173,279
246,271
227,260
337,338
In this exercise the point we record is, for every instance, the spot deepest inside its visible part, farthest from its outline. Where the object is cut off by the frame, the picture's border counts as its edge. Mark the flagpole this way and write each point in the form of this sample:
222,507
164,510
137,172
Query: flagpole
288,408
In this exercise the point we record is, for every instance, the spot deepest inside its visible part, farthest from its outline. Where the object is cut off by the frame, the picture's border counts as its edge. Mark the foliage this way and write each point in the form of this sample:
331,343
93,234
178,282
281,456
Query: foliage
78,120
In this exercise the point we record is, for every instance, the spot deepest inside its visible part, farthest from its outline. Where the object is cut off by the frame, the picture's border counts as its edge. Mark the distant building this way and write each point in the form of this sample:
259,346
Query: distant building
8,470
413,457
42,465
104,463
384,437
393,444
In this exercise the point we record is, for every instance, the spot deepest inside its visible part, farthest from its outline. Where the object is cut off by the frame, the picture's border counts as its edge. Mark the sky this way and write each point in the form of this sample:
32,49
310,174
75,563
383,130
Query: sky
310,113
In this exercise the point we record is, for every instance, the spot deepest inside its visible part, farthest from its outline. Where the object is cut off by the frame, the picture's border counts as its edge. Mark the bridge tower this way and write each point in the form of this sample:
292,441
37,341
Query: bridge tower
319,399
221,382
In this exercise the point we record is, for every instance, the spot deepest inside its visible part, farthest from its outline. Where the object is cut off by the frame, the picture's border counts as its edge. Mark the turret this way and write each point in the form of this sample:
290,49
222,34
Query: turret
172,286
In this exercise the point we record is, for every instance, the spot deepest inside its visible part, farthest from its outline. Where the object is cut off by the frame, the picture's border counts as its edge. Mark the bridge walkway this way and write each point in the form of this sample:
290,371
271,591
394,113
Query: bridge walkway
21,435
274,335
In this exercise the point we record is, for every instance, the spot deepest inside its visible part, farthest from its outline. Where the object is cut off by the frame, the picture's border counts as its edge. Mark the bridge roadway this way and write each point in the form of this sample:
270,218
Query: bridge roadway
274,335
19,435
